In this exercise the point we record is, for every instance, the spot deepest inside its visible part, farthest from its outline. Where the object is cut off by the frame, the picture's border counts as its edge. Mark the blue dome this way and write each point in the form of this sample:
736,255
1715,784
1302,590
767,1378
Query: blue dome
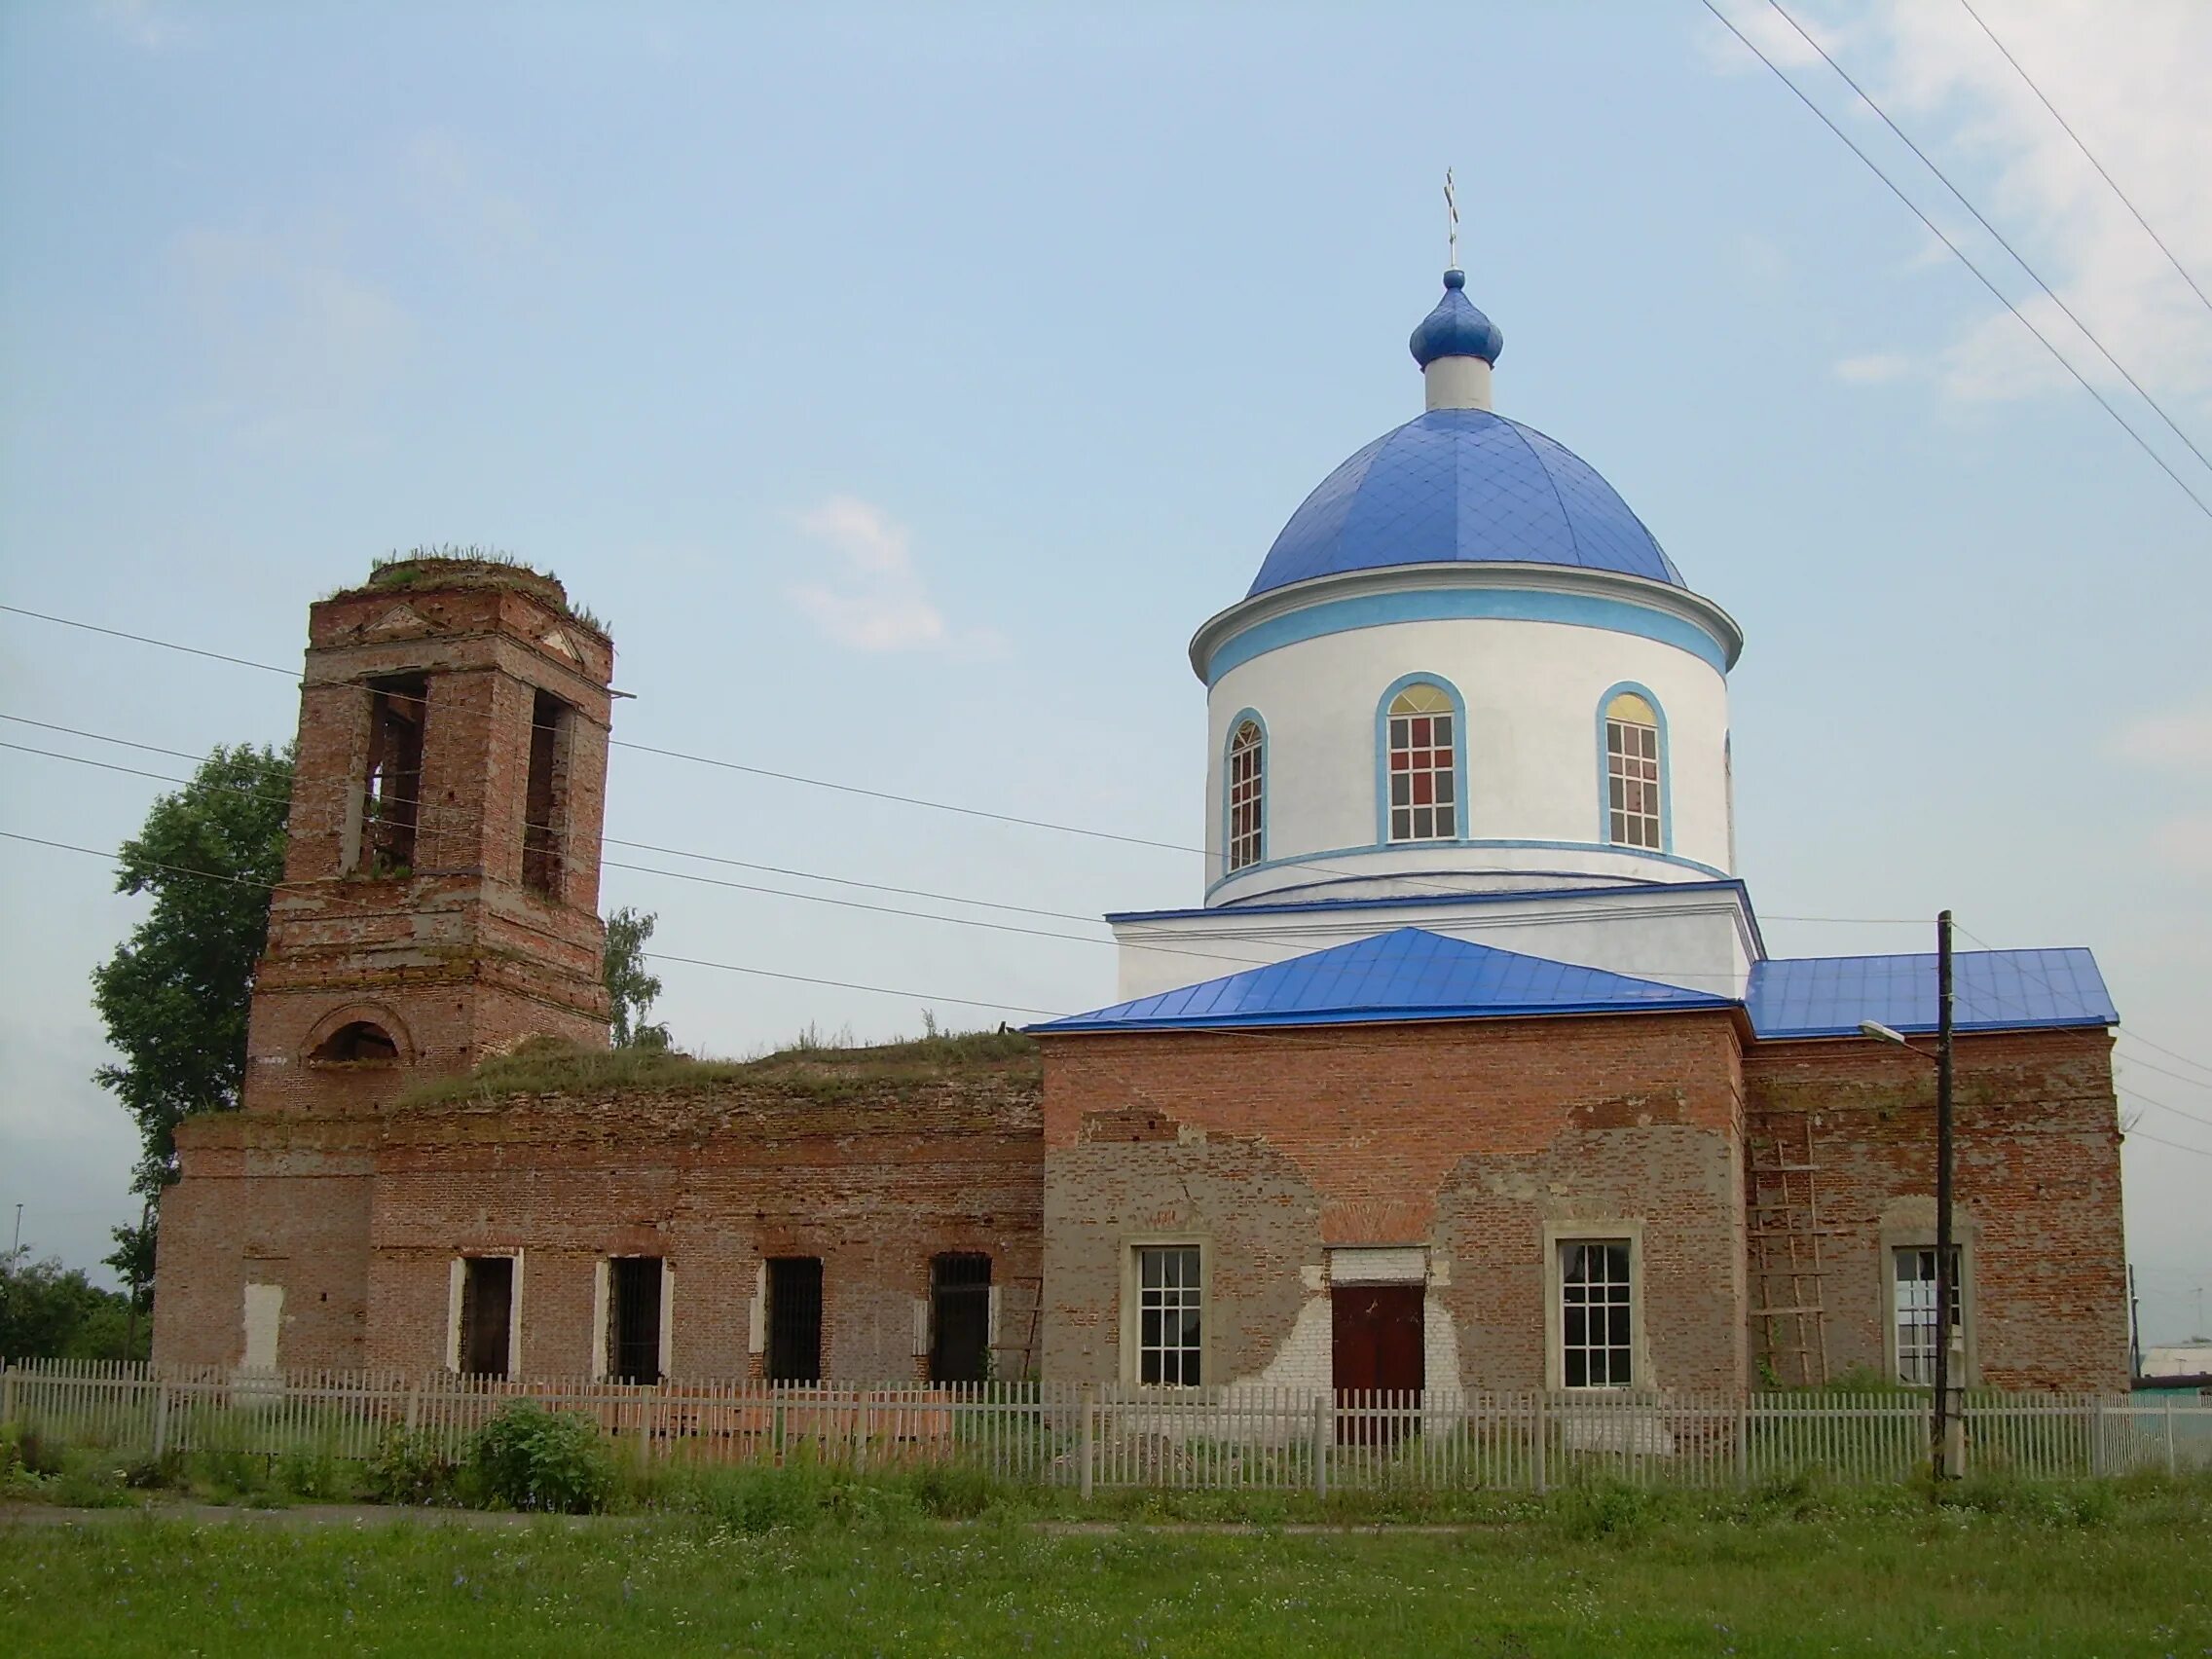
1462,486
1456,328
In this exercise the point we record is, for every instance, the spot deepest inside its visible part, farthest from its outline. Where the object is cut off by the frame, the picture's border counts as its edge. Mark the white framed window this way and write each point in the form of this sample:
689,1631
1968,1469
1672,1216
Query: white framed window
1170,1314
1247,795
1423,780
1597,1308
1633,807
484,1315
1913,1312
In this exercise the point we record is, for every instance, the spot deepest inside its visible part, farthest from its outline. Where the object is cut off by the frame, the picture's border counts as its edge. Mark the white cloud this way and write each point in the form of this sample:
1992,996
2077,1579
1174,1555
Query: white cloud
2180,741
144,23
449,189
292,333
1877,369
2132,81
875,599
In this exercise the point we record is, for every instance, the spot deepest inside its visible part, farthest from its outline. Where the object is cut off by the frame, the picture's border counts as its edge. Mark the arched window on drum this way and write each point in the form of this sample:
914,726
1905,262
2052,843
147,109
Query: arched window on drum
1423,785
1247,795
1633,810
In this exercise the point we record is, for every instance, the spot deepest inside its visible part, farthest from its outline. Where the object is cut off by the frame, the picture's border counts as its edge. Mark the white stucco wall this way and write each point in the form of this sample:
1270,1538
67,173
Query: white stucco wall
1532,692
1698,937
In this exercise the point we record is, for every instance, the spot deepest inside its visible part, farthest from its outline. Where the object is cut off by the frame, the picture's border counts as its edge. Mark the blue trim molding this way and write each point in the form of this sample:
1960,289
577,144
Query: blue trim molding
1267,763
1388,873
1460,779
1605,776
1434,604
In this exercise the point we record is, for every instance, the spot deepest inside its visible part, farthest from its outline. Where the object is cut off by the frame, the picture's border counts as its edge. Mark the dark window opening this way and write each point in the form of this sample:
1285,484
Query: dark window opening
544,830
960,1317
633,1318
392,783
357,1044
487,1315
794,1319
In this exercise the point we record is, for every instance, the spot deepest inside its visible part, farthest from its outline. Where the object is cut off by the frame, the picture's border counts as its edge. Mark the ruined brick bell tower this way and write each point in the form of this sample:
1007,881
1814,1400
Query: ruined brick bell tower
441,883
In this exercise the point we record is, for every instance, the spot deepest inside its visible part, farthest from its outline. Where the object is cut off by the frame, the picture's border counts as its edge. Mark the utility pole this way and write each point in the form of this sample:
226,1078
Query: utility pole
1944,1289
2135,1325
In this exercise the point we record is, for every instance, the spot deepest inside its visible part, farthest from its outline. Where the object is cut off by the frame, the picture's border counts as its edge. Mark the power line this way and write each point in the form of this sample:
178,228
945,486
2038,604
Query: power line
2156,1140
655,955
1410,879
1939,234
1982,220
2088,155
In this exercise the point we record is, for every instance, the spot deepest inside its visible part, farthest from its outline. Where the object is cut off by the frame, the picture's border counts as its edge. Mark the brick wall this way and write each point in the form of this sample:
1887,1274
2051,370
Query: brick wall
872,1178
2037,1192
1467,1139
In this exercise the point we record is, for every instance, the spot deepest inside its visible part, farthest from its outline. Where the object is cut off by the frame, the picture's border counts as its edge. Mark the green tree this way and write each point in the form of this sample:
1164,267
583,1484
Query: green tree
630,987
47,1311
175,993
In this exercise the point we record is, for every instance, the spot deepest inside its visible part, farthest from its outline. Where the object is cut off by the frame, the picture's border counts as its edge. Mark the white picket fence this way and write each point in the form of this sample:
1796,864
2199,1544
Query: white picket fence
1069,1434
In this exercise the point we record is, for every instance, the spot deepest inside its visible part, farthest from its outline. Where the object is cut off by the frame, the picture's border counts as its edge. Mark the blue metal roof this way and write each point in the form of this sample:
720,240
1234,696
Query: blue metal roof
1456,328
1462,486
1409,973
1996,990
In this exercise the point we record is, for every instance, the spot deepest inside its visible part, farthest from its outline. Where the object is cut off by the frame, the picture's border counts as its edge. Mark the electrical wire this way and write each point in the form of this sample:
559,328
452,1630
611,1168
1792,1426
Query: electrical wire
652,955
2003,241
1944,238
2067,127
1410,879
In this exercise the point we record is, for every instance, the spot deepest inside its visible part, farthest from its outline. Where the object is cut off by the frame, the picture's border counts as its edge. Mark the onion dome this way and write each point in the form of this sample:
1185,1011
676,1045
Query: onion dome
1456,328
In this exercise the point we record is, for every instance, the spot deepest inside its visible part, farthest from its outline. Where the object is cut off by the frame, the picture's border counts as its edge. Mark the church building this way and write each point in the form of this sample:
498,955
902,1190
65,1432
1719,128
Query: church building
1470,1069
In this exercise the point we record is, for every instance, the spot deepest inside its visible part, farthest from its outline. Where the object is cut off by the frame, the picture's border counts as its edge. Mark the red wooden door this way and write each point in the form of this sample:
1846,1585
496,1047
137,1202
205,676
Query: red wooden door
1376,1345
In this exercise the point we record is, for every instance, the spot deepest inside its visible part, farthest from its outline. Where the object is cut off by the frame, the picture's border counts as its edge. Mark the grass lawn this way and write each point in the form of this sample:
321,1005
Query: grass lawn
2135,1578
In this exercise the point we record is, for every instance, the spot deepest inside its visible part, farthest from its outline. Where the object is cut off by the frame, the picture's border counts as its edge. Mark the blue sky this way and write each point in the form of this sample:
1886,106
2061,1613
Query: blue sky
905,386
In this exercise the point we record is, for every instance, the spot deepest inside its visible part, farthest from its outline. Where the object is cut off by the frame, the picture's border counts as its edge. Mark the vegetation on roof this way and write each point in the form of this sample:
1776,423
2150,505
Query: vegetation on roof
812,1065
452,565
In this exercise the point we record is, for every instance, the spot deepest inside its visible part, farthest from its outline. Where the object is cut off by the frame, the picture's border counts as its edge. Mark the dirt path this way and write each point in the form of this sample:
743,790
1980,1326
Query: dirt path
368,1515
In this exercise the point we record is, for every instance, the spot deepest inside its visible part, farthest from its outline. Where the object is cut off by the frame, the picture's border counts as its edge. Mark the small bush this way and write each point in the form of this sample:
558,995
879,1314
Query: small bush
950,1491
528,1457
408,1467
1604,1509
316,1475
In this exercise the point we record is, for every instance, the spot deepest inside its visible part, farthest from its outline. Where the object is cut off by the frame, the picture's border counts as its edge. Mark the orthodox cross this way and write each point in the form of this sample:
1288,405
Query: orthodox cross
1452,216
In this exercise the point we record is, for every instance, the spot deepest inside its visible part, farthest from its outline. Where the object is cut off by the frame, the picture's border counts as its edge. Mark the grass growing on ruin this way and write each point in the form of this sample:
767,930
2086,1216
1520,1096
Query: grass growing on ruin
811,1065
1609,1574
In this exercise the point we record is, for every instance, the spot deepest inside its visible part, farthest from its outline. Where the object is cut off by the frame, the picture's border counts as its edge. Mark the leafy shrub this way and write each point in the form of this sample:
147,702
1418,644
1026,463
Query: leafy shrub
315,1475
1604,1509
952,1492
528,1457
408,1467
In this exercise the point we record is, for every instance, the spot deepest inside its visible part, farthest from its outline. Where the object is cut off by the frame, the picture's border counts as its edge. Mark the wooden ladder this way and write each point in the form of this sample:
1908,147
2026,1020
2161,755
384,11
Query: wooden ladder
1786,1232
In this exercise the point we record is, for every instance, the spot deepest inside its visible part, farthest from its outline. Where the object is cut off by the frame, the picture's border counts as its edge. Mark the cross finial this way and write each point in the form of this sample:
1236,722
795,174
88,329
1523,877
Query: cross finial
1452,217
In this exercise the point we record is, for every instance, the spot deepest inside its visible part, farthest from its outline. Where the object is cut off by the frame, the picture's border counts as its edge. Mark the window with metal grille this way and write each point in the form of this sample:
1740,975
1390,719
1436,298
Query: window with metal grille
391,779
545,800
1915,1313
1171,1301
1424,800
794,1319
1247,796
1597,1313
1631,773
633,1318
487,1315
960,1317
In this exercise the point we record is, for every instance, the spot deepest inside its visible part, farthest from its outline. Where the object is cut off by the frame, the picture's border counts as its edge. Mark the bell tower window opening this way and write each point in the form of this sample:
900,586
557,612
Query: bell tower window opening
360,1042
1424,801
391,787
545,800
1247,785
1631,773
